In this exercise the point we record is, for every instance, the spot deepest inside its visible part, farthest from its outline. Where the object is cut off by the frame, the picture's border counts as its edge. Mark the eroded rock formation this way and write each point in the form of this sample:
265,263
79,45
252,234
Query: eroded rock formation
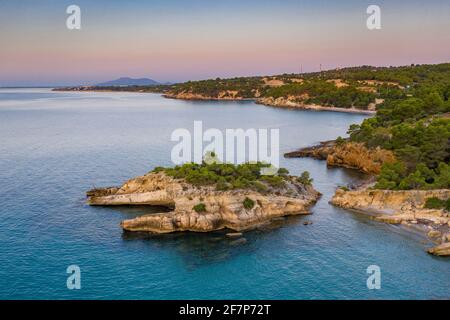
402,207
348,154
218,210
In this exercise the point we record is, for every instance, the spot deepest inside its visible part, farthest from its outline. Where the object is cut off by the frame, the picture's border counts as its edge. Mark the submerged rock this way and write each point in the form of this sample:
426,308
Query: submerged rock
203,209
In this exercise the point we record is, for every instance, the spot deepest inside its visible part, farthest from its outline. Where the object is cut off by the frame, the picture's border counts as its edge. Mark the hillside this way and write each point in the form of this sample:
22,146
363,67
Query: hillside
125,81
357,88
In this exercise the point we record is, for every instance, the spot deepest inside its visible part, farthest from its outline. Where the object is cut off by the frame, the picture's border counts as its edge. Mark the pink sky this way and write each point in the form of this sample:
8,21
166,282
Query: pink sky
171,44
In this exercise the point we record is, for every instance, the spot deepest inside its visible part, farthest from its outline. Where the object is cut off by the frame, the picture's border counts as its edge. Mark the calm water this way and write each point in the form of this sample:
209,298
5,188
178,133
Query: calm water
55,146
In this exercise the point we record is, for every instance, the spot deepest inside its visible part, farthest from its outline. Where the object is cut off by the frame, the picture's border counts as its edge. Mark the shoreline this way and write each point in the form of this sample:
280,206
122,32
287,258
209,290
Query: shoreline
201,98
404,208
312,107
259,101
204,208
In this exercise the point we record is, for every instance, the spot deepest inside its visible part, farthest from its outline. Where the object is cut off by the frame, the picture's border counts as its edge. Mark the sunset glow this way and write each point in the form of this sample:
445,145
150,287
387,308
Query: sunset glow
179,41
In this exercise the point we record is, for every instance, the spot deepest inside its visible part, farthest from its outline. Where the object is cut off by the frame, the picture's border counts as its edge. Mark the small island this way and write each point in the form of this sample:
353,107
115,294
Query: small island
208,197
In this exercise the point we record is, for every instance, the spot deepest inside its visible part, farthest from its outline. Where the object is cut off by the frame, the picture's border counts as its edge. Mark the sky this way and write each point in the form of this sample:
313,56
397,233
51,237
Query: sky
180,40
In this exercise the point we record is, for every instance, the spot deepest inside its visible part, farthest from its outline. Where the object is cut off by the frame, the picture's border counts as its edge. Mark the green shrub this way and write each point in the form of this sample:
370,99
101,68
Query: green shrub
340,141
436,203
222,185
225,176
305,178
274,181
283,172
260,187
158,169
248,203
199,208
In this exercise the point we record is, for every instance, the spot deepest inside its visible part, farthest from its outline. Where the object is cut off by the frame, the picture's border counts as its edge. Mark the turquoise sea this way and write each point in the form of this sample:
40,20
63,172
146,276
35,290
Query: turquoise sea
54,146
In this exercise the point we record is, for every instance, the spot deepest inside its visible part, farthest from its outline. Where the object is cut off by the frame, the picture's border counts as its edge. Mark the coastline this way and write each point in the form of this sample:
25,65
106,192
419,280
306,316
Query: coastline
402,207
354,157
286,104
203,98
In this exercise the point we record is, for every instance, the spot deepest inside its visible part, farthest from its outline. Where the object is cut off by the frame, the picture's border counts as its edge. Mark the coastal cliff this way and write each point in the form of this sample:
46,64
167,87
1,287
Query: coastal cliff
348,154
293,103
203,208
281,102
226,95
405,207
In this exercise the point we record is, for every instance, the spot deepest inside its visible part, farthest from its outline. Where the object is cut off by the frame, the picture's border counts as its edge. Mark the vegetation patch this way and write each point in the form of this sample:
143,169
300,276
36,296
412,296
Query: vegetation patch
224,176
305,178
248,203
199,208
325,93
413,123
436,203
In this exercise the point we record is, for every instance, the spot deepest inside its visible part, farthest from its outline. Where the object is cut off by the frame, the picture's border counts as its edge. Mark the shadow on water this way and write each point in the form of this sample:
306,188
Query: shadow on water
199,249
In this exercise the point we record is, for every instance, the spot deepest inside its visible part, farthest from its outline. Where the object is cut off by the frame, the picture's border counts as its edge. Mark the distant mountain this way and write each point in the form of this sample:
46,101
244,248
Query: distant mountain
125,81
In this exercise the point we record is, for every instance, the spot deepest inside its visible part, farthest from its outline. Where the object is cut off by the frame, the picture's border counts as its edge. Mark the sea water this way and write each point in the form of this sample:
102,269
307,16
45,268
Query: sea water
56,145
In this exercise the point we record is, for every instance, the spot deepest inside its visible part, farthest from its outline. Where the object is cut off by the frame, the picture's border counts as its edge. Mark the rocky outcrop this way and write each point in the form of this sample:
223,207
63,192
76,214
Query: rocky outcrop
218,210
297,103
348,154
319,152
228,95
441,250
281,102
402,207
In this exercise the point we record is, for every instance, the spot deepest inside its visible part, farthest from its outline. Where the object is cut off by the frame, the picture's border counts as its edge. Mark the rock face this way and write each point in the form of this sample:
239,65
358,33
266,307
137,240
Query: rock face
402,207
348,154
291,102
441,250
230,95
296,103
222,209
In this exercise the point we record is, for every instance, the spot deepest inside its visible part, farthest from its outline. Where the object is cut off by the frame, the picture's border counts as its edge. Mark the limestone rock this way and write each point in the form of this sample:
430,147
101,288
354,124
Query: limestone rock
400,207
434,234
224,209
441,250
349,155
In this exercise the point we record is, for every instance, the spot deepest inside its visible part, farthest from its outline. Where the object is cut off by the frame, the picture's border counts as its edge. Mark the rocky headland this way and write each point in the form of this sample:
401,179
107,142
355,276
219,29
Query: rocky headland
204,208
347,154
281,102
227,95
403,207
294,103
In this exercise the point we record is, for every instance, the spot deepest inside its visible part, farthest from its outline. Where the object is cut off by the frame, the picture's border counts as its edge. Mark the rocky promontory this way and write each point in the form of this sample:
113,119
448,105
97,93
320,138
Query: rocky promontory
403,207
347,154
226,95
204,208
296,103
